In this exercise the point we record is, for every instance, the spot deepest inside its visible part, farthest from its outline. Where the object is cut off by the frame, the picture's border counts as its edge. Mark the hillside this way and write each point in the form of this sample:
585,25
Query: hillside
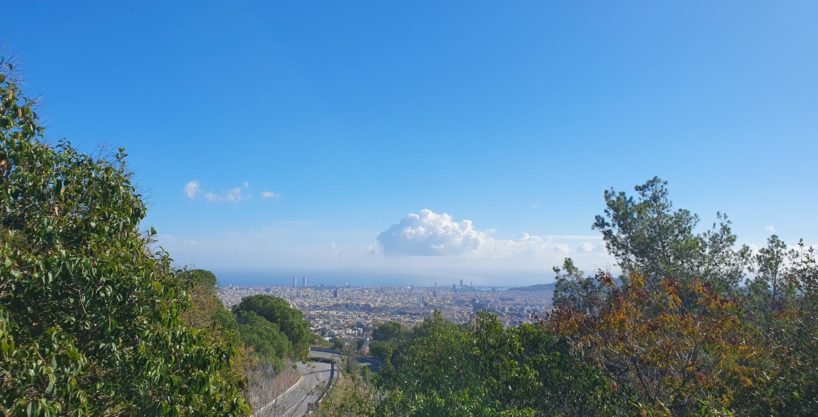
549,288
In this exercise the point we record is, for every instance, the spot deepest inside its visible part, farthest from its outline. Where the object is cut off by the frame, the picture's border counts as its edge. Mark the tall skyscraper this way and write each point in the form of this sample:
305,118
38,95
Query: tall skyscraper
304,281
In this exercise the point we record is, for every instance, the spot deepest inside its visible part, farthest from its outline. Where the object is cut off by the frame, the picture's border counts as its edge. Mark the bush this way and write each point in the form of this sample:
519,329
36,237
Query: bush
289,320
89,315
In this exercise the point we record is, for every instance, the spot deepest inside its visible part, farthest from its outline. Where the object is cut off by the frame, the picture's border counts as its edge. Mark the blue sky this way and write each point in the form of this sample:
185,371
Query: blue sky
513,115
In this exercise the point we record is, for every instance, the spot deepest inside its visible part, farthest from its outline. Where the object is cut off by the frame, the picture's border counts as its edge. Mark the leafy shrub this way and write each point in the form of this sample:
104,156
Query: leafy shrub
89,315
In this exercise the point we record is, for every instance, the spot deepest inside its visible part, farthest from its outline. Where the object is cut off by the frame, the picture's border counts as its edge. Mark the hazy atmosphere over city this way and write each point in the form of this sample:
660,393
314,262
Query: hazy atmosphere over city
429,141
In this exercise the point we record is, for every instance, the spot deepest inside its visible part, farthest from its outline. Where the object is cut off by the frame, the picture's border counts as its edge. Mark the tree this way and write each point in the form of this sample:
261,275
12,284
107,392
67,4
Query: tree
266,339
782,303
387,331
649,238
529,367
771,289
435,373
385,339
277,311
206,310
89,314
577,292
483,369
218,325
200,278
676,360
676,331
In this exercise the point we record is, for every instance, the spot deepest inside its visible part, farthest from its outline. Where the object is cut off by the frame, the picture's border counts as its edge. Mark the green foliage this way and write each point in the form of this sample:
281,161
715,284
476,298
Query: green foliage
482,369
385,339
265,338
200,278
289,320
677,333
648,237
675,359
388,331
338,343
782,303
206,310
218,325
576,291
89,316
351,396
382,349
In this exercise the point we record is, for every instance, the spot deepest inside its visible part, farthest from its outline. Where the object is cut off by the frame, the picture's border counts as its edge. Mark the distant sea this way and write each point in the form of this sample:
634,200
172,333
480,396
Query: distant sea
317,278
270,278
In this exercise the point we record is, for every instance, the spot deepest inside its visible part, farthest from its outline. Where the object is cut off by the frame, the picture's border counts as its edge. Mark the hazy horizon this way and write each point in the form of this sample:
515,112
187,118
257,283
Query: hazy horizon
329,278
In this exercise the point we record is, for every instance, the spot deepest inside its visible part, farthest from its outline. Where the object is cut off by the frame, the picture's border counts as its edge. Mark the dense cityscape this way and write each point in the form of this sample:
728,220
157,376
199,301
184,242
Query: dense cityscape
352,312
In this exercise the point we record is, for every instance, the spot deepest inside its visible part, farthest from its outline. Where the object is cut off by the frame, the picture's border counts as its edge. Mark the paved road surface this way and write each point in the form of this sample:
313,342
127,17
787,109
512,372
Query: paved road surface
368,361
295,402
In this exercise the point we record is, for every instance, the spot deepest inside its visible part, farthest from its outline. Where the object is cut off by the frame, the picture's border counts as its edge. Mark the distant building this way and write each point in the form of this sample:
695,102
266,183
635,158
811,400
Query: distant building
304,281
293,281
461,283
479,305
335,293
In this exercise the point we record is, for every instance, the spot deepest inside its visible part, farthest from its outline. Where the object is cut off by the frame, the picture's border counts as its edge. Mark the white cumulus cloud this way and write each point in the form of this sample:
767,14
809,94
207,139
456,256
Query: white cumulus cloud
269,195
427,233
192,188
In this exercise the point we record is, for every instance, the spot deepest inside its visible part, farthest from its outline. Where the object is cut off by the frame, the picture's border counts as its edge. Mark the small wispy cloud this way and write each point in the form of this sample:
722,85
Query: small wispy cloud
770,229
233,195
192,189
270,195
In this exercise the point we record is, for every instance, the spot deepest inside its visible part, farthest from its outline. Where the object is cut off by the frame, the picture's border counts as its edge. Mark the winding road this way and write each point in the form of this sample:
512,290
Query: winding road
295,401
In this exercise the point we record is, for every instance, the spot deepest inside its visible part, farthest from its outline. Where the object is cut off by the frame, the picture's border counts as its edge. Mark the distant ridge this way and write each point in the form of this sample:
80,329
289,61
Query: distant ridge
535,287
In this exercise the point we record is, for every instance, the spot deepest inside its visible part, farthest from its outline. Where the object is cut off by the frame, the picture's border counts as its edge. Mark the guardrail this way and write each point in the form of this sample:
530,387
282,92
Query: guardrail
312,407
271,403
